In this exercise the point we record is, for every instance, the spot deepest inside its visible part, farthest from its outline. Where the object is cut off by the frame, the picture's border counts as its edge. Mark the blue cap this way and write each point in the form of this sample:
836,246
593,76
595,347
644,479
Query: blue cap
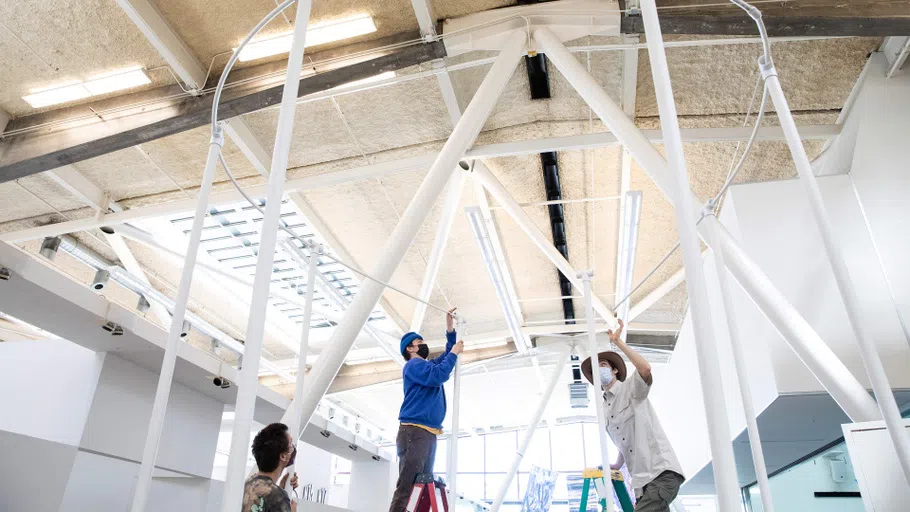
407,339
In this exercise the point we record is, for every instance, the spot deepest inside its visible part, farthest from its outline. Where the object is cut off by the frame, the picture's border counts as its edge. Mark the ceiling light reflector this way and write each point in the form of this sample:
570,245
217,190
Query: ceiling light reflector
117,82
56,96
320,33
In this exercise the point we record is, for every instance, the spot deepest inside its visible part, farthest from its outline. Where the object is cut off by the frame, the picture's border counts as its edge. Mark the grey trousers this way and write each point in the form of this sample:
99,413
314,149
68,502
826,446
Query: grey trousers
416,454
657,494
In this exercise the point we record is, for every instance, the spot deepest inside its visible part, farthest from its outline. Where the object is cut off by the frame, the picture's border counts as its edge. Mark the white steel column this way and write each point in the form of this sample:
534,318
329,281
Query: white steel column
249,373
453,198
508,203
462,137
808,345
293,420
452,445
725,478
532,428
745,389
586,277
871,360
162,393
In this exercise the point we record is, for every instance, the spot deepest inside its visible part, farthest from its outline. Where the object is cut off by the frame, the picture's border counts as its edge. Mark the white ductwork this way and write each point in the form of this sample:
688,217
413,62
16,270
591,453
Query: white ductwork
568,19
120,275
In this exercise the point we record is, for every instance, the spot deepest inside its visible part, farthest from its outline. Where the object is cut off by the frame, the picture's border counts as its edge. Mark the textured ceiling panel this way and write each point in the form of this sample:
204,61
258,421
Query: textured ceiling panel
455,8
319,133
404,114
45,44
815,75
213,28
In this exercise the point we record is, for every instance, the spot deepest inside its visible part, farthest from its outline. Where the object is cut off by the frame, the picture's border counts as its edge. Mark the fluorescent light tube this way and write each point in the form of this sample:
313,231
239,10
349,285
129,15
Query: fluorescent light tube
118,82
320,33
57,95
631,216
478,226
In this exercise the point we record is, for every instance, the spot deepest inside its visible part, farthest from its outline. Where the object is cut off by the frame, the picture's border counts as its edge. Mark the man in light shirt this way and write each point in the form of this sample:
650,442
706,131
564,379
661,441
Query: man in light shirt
633,425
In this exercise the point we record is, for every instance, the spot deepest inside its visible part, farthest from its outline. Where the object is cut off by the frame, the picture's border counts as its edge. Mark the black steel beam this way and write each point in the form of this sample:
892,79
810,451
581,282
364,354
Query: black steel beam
538,77
66,143
777,26
558,227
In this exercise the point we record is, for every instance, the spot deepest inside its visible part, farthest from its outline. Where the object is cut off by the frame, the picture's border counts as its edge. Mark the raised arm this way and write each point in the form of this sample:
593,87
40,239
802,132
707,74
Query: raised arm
431,373
451,336
643,367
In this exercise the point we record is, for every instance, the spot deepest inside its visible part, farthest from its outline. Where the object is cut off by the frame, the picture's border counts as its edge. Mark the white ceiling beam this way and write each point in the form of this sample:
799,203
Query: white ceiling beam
656,294
160,34
77,184
378,170
241,135
629,93
126,257
426,18
896,50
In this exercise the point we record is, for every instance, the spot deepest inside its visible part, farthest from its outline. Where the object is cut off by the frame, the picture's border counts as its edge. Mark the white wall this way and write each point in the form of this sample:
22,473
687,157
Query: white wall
33,472
98,482
778,230
371,485
122,408
46,388
795,488
879,170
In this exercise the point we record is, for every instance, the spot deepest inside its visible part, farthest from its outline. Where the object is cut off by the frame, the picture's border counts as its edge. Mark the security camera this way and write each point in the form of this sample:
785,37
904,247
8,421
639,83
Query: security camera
5,274
221,382
353,447
100,280
185,330
325,433
49,247
377,458
113,328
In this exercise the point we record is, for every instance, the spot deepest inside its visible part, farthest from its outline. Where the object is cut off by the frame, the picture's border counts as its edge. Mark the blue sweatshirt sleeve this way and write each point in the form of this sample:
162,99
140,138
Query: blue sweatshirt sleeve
428,374
450,342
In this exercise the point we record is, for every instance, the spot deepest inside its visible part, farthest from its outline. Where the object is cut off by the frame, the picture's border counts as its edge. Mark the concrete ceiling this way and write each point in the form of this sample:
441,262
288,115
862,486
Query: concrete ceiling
44,44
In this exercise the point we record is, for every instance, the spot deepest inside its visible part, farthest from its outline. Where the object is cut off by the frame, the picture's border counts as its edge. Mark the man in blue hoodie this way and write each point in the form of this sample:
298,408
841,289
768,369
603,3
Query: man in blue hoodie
423,409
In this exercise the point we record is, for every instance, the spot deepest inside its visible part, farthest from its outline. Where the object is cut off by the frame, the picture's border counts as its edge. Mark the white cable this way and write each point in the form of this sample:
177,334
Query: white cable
216,100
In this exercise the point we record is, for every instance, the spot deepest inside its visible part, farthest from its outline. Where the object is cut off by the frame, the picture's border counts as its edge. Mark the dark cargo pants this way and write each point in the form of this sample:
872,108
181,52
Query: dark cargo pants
416,454
657,495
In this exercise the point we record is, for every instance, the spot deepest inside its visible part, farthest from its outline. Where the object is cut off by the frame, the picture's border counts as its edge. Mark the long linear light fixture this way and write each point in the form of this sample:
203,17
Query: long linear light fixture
95,87
478,226
320,33
631,216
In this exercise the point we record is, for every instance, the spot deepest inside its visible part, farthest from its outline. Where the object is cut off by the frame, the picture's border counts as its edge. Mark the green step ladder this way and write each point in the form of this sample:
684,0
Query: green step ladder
592,476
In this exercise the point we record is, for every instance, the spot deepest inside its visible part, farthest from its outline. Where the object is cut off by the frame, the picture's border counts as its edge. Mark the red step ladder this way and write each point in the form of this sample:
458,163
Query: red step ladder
428,495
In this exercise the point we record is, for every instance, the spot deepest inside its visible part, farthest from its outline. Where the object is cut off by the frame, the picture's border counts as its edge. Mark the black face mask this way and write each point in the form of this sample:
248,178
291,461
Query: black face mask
423,350
293,457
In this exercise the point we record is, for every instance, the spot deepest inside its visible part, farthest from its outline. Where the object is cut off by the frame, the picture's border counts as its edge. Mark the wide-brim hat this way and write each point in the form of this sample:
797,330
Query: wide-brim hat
613,358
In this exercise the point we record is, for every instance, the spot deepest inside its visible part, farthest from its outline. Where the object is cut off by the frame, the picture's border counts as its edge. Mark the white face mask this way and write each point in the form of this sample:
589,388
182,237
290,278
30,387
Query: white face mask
606,376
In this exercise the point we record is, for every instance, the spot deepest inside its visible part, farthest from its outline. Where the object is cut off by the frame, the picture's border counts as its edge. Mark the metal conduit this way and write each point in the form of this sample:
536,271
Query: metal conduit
91,258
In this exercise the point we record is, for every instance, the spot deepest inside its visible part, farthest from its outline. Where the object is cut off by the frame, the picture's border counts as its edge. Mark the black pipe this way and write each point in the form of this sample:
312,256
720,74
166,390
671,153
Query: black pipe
539,82
558,227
